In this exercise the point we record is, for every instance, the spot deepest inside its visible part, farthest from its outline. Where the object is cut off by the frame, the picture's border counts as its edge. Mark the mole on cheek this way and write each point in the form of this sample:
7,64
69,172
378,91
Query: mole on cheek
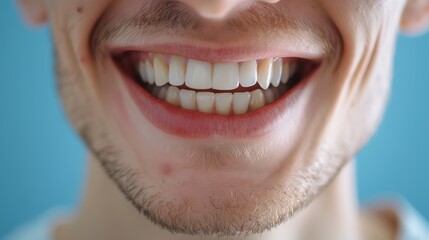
166,169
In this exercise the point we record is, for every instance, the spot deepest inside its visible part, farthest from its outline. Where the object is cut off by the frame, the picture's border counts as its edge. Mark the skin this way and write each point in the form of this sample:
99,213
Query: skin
302,165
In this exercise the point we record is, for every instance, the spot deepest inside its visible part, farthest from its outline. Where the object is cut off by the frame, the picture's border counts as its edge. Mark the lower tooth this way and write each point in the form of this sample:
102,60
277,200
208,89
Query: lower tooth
276,93
162,92
223,103
188,99
257,100
240,103
205,102
173,96
281,90
269,96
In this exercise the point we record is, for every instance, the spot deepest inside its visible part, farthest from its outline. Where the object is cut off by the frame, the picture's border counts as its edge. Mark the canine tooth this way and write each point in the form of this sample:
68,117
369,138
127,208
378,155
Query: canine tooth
240,103
223,103
142,71
162,92
257,99
173,96
205,102
198,75
285,73
277,72
225,76
177,71
265,71
248,73
161,70
150,74
188,99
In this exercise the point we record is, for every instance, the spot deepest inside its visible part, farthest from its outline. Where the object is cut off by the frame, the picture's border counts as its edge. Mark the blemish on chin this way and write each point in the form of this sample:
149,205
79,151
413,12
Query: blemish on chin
79,9
166,169
83,59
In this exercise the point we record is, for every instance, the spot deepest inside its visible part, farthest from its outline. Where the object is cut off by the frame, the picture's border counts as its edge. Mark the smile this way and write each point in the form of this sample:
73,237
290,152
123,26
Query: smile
195,98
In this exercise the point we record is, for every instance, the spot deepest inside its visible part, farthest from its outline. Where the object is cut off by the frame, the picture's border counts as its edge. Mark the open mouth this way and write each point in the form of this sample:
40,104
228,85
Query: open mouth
233,88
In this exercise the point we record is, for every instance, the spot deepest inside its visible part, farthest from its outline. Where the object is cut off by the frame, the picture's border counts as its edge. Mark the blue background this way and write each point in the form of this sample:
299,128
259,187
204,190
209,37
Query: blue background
42,161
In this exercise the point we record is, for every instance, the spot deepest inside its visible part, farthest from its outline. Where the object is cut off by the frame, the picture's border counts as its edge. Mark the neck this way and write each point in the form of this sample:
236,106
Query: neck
332,215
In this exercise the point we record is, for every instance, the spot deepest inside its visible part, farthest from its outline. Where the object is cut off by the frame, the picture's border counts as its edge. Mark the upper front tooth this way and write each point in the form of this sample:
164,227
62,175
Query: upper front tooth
161,70
225,76
177,71
150,74
277,72
265,70
248,73
198,75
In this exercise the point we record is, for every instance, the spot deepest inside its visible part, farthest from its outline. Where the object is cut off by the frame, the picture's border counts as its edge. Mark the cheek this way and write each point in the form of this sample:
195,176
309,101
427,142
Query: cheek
166,169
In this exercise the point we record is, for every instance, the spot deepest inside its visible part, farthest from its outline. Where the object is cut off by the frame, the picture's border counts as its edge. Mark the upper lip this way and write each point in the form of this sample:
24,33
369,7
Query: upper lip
236,54
224,52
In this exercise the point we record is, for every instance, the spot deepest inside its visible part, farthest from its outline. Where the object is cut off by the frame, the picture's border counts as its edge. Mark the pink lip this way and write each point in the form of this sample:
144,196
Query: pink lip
193,124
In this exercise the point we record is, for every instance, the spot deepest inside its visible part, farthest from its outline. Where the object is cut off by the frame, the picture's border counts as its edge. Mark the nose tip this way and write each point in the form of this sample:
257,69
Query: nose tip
218,9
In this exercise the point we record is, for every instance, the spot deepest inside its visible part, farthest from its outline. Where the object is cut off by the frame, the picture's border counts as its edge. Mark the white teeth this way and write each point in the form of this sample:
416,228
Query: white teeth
177,71
219,76
198,75
173,96
257,100
248,73
223,103
225,76
277,72
205,102
219,103
150,74
188,99
161,70
240,103
265,70
164,79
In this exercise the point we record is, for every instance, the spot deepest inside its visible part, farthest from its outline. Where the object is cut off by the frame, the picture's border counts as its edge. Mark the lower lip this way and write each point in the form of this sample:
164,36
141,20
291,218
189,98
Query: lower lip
192,124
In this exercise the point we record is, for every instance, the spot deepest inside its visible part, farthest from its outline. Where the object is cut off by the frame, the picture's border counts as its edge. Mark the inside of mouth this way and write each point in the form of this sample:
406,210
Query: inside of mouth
215,88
